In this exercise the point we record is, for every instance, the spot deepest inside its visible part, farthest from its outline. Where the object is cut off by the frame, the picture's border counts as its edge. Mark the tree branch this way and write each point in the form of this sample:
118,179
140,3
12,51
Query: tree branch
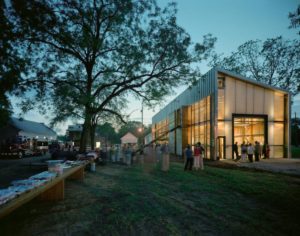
115,113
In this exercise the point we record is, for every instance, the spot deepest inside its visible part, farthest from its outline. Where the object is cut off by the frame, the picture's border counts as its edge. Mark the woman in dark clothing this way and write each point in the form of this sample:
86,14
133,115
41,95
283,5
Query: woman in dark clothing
236,151
189,158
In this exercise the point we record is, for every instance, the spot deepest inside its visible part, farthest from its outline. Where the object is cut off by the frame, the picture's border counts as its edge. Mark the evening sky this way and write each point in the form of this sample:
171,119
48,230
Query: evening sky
233,22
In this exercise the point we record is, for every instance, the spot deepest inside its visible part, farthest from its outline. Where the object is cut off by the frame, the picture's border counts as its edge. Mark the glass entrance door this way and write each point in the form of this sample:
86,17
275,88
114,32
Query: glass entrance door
221,148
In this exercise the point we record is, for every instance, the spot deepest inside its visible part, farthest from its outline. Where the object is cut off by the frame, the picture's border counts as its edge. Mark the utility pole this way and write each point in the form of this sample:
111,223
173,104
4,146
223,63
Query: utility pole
296,130
142,130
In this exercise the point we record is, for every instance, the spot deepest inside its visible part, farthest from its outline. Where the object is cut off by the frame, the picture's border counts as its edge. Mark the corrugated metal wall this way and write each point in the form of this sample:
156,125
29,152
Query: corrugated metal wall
205,86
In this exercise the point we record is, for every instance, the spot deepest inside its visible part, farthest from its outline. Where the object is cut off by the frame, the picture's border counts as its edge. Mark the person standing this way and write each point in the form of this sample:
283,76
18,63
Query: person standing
158,153
235,151
259,150
189,158
113,153
267,155
128,155
266,151
117,153
244,151
250,151
201,164
197,151
256,151
165,157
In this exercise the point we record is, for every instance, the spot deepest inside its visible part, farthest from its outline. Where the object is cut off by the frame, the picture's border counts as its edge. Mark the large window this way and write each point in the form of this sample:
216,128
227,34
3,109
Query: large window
249,129
221,104
161,131
198,129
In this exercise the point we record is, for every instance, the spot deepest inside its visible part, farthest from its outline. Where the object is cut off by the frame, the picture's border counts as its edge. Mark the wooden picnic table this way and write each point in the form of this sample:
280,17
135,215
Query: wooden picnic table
53,190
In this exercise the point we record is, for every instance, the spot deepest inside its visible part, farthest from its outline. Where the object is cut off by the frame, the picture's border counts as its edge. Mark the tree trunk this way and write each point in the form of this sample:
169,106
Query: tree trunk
92,135
88,116
85,132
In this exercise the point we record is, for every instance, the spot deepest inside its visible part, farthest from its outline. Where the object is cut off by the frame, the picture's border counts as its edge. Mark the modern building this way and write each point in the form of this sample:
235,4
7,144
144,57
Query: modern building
222,108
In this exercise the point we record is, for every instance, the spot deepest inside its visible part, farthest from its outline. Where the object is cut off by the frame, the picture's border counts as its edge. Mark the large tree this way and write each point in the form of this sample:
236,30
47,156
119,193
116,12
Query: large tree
275,62
12,63
90,55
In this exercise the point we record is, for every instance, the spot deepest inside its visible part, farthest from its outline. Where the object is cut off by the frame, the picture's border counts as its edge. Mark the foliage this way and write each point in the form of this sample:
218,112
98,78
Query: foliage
93,54
295,18
275,62
62,138
132,127
295,131
11,64
295,151
107,130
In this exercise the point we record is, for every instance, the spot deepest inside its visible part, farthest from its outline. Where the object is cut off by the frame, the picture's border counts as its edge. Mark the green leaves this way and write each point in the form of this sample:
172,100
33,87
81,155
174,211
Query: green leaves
274,62
86,56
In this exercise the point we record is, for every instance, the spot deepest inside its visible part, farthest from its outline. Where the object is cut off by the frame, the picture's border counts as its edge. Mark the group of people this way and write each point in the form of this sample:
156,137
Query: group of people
117,154
194,159
248,151
128,153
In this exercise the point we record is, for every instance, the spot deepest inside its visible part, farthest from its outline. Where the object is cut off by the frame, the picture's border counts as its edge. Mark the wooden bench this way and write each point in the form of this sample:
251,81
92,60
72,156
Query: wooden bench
53,190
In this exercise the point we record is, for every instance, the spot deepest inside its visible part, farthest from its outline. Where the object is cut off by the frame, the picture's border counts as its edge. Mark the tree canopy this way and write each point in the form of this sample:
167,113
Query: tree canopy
88,56
133,127
107,130
275,62
12,63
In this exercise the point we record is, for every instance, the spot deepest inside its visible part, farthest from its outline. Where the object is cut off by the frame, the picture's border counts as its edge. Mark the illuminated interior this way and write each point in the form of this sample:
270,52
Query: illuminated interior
160,131
249,113
197,124
237,111
249,130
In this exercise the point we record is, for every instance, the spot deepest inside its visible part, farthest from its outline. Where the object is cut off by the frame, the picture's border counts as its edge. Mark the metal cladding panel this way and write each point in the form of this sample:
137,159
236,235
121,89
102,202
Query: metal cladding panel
172,142
178,140
251,81
205,86
201,89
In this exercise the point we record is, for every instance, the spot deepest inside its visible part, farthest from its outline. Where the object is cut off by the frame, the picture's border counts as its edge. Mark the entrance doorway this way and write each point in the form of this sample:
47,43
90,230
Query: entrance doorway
221,144
250,128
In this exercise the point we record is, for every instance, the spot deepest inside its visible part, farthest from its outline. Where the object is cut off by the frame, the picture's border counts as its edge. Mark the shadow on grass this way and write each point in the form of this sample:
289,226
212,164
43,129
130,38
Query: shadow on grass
142,200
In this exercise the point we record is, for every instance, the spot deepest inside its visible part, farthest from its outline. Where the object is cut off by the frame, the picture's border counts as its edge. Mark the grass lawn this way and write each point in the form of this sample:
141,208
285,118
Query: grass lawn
141,200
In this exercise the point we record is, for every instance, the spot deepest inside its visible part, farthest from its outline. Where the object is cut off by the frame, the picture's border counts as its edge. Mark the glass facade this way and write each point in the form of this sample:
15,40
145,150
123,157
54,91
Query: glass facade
221,111
160,131
249,130
197,125
249,113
